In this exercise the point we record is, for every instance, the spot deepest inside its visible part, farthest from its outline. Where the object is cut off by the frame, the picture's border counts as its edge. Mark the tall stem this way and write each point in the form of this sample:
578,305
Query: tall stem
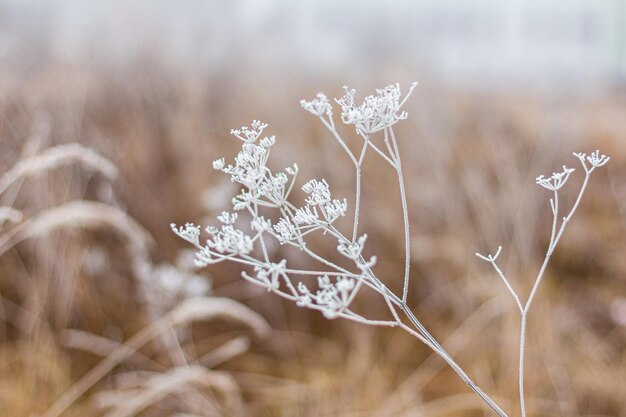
430,341
405,215
433,344
357,199
357,205
554,240
407,236
522,345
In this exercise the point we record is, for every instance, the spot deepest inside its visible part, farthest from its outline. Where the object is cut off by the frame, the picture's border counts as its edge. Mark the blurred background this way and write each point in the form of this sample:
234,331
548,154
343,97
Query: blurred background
111,113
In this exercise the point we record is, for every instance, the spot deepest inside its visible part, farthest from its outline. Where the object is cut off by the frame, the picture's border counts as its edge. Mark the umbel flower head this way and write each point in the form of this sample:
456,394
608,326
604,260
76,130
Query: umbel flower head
377,112
319,106
331,297
556,180
595,159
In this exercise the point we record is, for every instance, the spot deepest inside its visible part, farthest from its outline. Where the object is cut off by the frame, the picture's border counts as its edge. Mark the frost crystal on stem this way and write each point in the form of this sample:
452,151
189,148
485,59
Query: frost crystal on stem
266,194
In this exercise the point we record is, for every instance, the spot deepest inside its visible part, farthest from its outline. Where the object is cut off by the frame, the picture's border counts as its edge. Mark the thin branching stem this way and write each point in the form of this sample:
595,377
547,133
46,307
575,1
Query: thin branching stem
554,240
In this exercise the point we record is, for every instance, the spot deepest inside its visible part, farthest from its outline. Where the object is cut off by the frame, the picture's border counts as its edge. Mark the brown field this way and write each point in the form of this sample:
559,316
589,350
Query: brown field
471,157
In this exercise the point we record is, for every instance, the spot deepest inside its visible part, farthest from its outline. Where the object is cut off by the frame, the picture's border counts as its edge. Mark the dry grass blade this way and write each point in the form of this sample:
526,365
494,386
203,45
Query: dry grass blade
98,345
57,156
210,308
83,214
225,352
173,381
187,312
113,398
129,380
78,339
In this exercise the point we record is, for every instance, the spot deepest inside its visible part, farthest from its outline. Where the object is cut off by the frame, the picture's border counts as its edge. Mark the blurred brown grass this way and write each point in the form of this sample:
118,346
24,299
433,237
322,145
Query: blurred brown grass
471,159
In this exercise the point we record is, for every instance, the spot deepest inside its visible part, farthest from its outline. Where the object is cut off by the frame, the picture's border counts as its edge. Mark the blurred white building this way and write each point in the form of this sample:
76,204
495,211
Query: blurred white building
556,41
568,40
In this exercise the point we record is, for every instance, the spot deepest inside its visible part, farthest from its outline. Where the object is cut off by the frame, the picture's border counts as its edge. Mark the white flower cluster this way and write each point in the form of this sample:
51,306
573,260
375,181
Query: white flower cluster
319,106
319,197
330,298
595,159
556,180
190,232
377,112
265,190
249,134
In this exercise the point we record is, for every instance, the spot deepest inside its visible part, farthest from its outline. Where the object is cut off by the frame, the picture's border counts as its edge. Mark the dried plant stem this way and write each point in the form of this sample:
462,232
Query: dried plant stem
190,310
436,347
407,236
58,156
357,198
412,385
555,237
78,213
430,341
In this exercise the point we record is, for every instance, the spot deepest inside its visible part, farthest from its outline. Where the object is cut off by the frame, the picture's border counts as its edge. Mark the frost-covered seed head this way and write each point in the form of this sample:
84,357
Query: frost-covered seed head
219,164
306,215
318,191
285,231
260,224
227,218
249,134
190,232
377,112
556,180
319,106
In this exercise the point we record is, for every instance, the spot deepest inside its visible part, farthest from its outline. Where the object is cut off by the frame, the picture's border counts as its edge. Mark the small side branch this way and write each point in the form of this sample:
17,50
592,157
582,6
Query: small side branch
492,260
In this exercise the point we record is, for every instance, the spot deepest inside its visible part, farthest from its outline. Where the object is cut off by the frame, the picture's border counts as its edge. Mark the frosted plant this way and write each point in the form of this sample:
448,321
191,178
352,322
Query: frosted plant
264,211
554,184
